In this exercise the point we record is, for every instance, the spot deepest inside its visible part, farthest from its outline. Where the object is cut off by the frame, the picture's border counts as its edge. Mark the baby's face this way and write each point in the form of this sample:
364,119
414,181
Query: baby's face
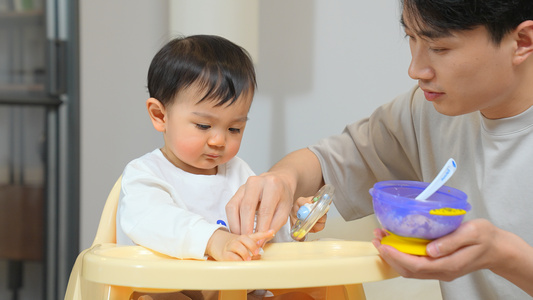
201,136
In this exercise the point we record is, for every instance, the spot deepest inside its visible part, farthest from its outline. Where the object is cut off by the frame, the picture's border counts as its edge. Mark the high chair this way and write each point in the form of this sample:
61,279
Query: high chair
107,271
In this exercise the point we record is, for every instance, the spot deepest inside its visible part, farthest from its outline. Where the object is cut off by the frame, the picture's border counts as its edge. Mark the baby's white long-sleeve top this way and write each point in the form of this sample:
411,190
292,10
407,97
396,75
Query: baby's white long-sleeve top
174,212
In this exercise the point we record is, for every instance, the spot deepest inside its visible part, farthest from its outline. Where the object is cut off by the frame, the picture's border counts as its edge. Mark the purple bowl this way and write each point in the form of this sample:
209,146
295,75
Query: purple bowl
398,212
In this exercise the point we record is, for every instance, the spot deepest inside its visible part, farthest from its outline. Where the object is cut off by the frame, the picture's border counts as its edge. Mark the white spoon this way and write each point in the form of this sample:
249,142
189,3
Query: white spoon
443,176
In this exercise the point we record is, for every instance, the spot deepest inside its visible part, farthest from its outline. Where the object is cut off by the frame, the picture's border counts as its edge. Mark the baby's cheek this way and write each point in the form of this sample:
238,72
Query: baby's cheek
232,149
188,148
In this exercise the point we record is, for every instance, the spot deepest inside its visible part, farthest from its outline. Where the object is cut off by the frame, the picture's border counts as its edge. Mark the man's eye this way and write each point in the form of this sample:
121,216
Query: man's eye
235,130
438,50
203,126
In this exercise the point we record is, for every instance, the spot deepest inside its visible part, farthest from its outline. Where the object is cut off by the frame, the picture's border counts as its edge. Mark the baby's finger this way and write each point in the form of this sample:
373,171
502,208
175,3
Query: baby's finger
257,240
264,235
253,249
245,247
240,248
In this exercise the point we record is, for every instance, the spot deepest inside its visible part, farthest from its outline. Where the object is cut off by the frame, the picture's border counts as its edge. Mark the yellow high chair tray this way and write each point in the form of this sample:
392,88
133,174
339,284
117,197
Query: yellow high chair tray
345,264
107,271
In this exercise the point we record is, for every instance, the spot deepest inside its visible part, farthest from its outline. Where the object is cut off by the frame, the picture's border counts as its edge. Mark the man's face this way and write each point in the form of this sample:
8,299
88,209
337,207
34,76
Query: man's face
464,71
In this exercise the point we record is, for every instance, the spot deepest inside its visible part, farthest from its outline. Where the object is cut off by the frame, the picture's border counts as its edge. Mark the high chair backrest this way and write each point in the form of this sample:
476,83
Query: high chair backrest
107,228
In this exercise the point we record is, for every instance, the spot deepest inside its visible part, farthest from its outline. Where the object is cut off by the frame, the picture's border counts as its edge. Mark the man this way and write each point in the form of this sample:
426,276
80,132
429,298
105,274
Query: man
474,67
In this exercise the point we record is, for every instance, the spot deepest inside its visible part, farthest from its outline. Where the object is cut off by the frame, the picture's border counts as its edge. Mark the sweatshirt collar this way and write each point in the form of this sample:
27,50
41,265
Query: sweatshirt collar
509,125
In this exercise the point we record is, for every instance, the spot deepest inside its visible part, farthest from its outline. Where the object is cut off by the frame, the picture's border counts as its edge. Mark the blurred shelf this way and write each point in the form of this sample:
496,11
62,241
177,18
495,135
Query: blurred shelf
26,94
21,87
16,18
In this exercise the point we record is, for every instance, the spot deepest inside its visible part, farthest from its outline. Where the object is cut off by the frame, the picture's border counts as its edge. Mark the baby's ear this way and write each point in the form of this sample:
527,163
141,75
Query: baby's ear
524,41
157,113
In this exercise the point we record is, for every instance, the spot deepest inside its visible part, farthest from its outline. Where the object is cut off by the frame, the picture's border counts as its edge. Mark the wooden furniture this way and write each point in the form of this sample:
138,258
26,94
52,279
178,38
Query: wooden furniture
21,229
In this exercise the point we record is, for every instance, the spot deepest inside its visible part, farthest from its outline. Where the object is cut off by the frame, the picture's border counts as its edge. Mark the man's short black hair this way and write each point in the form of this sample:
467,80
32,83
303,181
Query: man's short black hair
442,17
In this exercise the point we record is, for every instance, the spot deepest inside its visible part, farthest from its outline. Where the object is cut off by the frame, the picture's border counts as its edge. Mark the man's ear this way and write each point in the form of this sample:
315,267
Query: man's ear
157,113
524,41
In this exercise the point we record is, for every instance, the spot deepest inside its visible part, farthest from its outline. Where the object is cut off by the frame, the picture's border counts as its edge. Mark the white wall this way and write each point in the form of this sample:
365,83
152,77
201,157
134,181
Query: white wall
321,65
117,40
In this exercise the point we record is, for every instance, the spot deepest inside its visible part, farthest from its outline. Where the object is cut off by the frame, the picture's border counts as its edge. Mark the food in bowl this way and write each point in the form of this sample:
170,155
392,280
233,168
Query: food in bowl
399,213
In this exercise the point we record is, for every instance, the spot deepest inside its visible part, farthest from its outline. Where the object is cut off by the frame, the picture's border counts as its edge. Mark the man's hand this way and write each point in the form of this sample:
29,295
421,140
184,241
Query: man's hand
271,195
319,225
266,195
475,245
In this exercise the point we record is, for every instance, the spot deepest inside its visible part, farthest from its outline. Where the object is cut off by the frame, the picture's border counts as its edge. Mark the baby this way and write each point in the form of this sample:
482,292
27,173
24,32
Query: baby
173,199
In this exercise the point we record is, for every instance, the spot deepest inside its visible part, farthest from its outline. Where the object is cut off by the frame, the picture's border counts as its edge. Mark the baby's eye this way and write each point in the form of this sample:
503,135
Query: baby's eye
203,126
235,130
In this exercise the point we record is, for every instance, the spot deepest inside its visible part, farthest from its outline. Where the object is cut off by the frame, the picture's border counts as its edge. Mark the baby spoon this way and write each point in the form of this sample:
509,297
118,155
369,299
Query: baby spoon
443,176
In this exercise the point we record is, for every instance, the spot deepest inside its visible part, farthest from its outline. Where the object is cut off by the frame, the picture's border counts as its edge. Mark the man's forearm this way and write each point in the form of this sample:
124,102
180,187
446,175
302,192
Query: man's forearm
302,171
517,262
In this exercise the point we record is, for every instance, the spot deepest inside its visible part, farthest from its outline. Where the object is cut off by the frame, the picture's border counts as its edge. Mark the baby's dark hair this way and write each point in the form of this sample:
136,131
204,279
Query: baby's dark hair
442,17
220,68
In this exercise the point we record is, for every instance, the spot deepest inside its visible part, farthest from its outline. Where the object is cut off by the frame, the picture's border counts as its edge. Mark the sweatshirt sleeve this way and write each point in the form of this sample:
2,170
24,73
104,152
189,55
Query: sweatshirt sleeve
380,147
151,216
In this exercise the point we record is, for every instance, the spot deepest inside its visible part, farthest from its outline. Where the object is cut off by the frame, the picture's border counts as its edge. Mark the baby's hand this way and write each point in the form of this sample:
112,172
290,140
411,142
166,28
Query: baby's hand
224,245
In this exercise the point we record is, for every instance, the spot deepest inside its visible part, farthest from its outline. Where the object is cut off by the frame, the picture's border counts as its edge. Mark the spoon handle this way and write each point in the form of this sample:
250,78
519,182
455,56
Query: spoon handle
443,176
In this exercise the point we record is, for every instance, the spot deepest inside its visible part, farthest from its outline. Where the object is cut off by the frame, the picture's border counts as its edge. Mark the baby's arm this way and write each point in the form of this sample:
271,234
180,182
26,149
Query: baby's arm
224,245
